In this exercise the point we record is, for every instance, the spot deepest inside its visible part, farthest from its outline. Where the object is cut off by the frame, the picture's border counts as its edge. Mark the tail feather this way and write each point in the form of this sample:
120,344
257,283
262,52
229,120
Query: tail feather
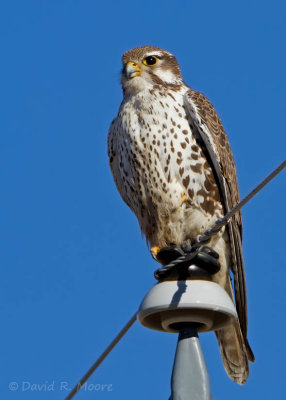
233,352
234,348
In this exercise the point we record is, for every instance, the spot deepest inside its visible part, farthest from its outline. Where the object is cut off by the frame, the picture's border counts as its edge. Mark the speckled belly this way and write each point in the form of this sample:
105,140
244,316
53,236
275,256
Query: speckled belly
169,183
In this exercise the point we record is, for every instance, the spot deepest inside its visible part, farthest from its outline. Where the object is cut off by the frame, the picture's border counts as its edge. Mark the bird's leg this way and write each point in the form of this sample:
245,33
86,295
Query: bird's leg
165,255
184,199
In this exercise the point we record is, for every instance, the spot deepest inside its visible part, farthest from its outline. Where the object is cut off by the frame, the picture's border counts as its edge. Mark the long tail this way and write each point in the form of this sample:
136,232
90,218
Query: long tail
235,350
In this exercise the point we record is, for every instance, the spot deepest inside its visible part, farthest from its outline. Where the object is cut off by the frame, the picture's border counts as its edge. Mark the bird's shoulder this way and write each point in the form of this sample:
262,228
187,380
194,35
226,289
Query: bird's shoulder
209,119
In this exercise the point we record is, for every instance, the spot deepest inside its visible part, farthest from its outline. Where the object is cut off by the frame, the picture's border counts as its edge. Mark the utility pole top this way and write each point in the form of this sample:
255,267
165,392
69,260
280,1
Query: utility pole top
170,305
187,307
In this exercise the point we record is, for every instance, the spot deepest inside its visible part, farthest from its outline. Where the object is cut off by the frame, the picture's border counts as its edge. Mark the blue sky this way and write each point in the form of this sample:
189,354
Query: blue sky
74,264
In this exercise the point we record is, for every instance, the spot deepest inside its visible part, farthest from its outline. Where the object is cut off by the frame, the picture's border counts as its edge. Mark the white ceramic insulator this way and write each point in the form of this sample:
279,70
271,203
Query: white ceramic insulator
172,303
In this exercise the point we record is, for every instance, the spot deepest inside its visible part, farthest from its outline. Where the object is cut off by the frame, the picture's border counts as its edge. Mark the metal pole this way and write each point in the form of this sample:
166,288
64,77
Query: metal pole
190,379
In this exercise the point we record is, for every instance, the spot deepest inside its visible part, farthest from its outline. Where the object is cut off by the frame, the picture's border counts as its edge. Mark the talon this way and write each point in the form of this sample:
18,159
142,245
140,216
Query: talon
155,250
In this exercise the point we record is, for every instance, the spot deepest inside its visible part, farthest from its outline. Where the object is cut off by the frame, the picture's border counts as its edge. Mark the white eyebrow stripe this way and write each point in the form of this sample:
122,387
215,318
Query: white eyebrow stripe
154,53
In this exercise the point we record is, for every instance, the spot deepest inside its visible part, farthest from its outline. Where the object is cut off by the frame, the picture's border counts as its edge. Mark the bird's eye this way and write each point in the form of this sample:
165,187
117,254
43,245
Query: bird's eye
150,61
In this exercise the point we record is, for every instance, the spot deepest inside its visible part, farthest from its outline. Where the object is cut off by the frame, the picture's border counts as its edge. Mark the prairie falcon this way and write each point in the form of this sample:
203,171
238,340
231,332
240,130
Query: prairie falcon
176,185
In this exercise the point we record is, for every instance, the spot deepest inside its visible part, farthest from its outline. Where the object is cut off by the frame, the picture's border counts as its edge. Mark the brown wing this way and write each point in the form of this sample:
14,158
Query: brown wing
210,133
210,119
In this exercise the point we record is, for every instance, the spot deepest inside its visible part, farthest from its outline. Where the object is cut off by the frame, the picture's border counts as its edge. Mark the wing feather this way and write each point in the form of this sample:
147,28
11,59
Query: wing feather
210,133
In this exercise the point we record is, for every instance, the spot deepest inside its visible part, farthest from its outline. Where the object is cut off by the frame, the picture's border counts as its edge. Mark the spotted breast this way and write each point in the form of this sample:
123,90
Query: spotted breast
162,173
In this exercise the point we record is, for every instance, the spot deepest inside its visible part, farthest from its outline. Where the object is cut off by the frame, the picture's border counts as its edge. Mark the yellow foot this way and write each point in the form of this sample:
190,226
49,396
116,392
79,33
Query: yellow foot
184,198
155,250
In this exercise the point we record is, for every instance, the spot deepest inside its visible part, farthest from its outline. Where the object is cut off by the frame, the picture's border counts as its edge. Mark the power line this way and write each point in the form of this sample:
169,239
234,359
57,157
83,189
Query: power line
223,221
102,357
217,226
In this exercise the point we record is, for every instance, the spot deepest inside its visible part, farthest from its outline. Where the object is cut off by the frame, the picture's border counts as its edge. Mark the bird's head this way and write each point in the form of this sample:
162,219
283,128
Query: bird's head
147,66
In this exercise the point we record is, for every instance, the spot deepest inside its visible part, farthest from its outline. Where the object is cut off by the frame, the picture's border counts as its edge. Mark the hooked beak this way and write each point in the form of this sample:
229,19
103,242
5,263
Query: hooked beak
132,69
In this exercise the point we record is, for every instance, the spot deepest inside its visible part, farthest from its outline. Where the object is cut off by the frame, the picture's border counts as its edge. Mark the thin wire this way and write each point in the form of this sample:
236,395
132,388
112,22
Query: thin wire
223,221
102,357
217,226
